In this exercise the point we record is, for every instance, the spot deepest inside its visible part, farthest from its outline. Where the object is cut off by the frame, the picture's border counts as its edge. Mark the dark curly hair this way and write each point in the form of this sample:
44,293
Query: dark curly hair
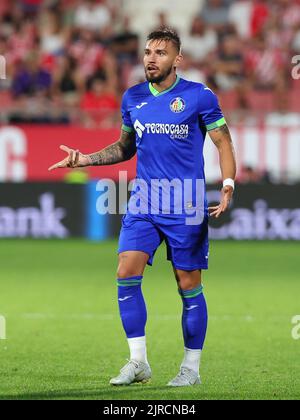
166,34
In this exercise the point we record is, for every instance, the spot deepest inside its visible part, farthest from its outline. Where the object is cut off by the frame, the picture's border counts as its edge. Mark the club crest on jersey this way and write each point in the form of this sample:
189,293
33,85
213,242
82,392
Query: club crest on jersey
177,105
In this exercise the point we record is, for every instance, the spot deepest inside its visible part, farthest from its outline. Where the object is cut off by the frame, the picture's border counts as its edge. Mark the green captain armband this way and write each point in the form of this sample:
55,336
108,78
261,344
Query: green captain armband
127,129
216,124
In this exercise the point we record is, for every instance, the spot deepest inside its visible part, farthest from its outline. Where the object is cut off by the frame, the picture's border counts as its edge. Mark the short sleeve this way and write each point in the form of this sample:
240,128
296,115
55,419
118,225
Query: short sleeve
127,123
209,109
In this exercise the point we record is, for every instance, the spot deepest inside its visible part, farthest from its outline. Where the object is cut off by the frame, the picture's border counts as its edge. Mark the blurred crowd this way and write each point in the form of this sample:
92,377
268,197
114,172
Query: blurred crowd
68,61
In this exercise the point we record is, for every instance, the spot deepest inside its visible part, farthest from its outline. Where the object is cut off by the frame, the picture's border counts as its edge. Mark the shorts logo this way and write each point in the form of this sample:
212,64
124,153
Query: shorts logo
177,105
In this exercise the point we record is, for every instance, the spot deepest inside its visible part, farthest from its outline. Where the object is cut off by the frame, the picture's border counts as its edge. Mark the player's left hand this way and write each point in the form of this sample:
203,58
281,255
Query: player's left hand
226,196
75,159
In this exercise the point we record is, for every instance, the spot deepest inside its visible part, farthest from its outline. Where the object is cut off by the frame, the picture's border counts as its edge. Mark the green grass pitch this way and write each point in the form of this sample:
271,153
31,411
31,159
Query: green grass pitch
65,341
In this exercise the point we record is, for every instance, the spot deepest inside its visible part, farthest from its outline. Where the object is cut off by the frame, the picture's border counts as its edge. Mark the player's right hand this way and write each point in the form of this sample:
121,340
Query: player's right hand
226,196
75,159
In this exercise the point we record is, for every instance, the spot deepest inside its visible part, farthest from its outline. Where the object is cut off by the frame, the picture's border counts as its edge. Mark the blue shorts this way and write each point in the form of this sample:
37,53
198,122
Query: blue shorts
187,245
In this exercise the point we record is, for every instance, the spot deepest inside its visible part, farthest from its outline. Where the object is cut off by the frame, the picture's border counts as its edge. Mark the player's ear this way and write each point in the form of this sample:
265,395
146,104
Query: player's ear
178,60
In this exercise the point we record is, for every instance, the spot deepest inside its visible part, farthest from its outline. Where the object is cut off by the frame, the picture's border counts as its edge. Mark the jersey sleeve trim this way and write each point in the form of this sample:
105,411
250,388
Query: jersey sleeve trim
127,128
216,124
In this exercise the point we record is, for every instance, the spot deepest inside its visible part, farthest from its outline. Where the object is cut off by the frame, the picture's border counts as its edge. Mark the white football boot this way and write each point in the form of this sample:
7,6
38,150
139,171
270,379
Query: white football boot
186,377
133,372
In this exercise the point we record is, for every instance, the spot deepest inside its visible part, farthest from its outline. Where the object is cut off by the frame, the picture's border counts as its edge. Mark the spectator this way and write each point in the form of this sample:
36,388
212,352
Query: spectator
67,81
260,14
99,104
87,52
11,19
189,71
93,15
52,37
31,79
265,67
162,21
30,7
215,14
229,69
201,41
125,47
277,35
240,12
136,74
22,41
289,12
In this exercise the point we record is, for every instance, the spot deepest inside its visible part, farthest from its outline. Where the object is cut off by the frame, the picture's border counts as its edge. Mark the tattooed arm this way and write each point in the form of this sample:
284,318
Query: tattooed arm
222,139
124,149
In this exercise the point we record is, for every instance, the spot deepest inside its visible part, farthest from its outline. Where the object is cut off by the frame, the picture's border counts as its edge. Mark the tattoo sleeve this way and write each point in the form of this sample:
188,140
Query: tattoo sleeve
124,149
222,139
218,135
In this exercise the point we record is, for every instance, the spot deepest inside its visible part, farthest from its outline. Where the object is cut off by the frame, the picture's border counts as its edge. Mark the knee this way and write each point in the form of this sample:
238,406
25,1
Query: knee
125,270
188,280
186,283
131,264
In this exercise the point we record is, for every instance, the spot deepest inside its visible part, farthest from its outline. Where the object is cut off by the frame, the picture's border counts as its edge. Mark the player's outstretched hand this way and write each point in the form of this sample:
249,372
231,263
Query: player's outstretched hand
224,204
75,159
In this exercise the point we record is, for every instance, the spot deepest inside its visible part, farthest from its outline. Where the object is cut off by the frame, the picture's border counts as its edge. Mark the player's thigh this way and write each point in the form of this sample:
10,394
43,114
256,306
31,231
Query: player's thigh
138,234
187,246
131,263
188,280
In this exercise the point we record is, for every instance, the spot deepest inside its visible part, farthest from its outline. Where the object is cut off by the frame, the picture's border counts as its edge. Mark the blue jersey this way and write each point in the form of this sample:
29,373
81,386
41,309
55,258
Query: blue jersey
170,129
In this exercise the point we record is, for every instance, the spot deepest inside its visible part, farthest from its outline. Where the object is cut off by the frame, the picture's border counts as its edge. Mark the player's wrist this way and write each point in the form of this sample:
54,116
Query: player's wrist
229,182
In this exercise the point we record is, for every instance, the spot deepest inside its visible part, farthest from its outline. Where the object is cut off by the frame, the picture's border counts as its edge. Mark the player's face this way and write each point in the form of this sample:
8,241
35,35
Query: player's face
160,60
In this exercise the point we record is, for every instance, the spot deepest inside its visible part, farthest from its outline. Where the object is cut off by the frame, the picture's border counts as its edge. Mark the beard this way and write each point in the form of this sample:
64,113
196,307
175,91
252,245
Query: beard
161,77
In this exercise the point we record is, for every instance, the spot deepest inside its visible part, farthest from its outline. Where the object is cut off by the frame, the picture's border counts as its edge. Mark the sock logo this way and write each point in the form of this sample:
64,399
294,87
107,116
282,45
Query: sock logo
192,307
125,298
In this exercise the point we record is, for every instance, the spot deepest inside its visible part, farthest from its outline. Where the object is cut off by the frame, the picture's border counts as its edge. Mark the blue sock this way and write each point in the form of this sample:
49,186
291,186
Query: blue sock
194,318
132,306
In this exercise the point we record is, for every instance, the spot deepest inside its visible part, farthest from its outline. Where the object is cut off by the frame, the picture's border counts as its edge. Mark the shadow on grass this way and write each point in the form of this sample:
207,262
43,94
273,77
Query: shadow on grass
134,392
